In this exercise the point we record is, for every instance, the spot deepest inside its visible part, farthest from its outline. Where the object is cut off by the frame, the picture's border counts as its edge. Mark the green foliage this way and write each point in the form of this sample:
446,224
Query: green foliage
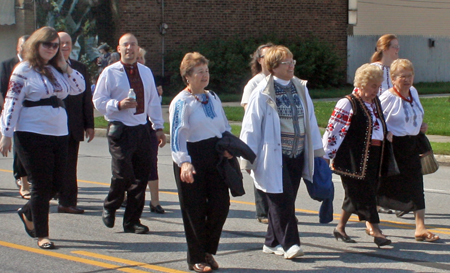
317,62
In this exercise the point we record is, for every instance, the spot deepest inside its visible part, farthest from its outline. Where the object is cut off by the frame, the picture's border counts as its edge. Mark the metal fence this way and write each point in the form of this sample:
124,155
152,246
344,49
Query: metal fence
430,55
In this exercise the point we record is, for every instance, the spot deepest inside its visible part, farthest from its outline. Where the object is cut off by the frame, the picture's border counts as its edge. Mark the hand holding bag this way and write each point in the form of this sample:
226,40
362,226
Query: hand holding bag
427,159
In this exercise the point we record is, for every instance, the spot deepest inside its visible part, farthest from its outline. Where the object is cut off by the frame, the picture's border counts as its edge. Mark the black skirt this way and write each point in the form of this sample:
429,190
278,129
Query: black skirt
360,195
404,191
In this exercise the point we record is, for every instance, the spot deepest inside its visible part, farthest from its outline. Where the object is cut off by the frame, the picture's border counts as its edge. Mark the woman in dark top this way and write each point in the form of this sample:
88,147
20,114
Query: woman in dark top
354,141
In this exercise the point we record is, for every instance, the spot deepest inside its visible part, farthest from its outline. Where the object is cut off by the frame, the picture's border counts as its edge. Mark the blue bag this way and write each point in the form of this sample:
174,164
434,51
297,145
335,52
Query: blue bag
322,189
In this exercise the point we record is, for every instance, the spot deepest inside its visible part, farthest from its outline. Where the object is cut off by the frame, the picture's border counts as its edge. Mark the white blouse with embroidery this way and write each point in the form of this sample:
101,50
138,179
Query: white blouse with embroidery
339,124
193,121
402,118
387,82
27,84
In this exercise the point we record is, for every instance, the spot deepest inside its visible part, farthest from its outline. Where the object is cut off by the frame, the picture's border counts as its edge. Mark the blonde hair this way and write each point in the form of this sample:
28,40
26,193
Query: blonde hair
141,54
366,73
383,43
399,64
189,62
275,55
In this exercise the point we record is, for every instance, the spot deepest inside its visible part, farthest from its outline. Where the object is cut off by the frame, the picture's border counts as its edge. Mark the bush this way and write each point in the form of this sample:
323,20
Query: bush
317,62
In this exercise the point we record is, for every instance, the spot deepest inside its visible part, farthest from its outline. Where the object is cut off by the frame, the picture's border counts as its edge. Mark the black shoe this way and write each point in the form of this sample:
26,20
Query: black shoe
30,232
385,210
49,245
400,213
379,241
136,228
344,238
157,209
108,218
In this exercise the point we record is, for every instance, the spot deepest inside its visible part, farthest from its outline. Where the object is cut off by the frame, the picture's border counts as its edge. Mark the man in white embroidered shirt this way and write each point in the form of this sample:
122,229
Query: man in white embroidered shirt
128,131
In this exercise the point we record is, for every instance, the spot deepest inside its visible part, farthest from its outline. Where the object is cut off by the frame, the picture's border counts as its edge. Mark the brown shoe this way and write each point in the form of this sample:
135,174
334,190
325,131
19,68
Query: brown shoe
71,209
200,267
211,261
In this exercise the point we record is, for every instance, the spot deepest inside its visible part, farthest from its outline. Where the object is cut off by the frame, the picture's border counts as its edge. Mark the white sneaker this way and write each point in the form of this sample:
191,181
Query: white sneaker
278,250
293,251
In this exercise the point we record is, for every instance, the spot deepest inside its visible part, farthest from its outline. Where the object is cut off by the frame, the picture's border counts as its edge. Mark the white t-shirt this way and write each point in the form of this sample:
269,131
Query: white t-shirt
250,86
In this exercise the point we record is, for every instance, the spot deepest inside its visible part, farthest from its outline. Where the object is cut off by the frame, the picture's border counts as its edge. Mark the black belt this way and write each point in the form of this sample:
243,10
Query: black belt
52,101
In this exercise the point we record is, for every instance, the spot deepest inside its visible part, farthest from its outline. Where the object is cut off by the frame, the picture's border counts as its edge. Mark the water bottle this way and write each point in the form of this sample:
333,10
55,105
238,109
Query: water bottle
131,94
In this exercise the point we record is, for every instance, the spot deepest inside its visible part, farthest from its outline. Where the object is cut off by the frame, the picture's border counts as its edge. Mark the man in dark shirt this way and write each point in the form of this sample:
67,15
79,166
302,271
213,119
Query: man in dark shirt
80,118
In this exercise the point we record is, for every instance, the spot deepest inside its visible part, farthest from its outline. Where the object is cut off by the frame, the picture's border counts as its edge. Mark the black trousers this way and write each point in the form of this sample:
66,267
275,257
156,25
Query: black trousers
130,164
283,228
69,190
204,203
262,207
44,158
18,168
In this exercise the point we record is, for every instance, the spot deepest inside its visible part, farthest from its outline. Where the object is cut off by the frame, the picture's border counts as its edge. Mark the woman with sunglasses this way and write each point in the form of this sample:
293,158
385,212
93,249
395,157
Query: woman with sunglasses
34,114
280,127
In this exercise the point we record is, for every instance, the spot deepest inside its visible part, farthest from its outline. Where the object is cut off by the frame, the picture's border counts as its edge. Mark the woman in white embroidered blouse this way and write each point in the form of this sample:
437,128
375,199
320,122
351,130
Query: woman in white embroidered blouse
386,52
354,142
34,114
197,122
404,118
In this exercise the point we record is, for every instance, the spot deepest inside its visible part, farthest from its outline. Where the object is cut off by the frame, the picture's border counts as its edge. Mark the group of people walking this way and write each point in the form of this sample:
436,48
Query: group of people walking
279,126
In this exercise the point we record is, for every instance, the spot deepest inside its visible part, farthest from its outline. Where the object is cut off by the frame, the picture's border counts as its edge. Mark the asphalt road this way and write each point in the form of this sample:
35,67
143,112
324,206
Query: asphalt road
84,244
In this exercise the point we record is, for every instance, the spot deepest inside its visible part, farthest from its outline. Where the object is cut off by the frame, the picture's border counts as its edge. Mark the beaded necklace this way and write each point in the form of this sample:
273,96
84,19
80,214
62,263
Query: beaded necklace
409,99
195,96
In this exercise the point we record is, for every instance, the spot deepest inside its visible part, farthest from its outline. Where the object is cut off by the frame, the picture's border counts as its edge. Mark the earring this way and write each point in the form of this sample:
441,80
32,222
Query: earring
187,81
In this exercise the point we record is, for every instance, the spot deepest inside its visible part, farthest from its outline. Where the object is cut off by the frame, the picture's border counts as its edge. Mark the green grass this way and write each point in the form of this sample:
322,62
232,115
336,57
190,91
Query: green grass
437,115
441,148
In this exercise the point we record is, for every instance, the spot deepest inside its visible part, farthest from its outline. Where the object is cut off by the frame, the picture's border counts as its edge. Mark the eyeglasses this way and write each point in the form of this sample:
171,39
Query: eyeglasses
49,45
293,62
396,47
404,77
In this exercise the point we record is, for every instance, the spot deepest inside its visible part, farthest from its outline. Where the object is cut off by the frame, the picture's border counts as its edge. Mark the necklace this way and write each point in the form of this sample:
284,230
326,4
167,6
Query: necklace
195,96
409,99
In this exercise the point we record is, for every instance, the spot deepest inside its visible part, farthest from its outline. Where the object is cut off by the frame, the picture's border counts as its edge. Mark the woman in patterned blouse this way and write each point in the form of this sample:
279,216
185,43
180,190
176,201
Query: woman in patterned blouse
34,114
354,141
197,122
404,118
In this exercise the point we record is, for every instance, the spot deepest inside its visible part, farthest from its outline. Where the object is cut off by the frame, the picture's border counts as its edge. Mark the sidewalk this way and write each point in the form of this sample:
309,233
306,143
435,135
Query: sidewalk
165,111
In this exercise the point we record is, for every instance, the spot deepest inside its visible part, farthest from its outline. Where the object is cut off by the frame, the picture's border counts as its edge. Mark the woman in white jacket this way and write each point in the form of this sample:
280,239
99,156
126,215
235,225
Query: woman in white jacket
280,127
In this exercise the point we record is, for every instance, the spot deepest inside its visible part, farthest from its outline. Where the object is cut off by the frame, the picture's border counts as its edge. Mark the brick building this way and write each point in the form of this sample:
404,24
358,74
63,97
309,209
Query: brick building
189,21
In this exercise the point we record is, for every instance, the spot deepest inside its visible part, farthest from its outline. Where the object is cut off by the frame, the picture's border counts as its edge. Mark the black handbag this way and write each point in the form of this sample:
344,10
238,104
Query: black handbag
389,167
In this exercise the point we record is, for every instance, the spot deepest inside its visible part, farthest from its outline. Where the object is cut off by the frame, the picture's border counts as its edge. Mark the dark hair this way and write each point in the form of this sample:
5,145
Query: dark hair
254,64
189,62
31,51
382,44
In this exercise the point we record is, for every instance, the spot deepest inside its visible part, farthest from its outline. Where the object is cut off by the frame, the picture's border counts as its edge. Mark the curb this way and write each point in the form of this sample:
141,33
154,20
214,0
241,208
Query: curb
101,132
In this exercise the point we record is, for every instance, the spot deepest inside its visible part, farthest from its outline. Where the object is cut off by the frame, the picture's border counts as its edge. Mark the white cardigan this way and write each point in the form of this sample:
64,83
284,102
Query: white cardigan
261,132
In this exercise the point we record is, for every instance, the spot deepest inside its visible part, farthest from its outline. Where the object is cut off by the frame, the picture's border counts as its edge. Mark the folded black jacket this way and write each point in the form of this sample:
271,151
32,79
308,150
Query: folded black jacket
229,169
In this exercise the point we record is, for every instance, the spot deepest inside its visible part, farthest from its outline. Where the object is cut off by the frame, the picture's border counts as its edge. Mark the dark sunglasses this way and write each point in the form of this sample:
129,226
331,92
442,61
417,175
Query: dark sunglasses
49,45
